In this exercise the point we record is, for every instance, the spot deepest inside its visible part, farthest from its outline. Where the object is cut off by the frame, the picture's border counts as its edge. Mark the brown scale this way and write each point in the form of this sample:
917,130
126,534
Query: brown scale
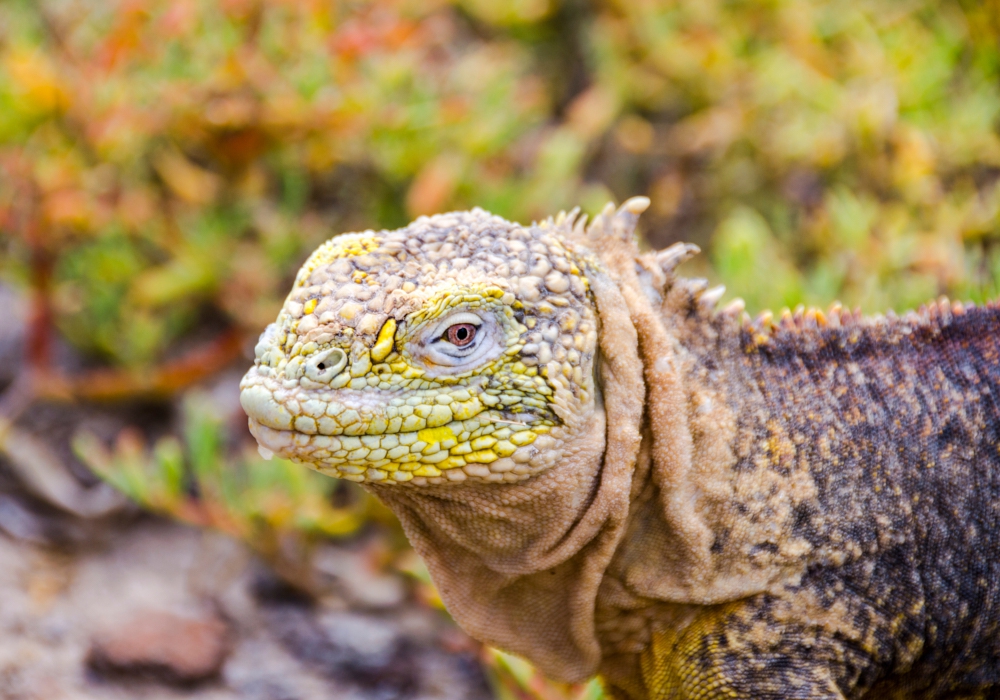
865,466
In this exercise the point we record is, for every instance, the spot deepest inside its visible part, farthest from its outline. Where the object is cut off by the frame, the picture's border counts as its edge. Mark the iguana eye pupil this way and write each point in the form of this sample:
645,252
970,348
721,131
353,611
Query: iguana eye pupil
321,365
461,334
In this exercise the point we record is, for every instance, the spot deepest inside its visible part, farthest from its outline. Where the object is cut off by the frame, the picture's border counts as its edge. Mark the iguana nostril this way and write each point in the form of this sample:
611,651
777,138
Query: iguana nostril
324,366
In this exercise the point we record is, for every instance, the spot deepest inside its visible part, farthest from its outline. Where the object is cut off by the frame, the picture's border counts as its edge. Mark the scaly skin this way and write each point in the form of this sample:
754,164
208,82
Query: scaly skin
382,410
616,478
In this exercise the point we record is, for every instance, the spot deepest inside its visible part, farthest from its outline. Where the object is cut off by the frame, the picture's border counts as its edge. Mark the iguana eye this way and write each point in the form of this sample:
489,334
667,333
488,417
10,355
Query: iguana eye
461,334
459,341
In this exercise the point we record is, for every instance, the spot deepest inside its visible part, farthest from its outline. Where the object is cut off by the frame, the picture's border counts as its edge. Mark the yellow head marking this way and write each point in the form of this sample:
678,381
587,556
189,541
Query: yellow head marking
435,435
383,343
349,245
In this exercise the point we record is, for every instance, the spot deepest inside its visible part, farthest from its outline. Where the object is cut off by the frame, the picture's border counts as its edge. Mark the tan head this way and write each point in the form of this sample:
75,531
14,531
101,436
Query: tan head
461,347
495,367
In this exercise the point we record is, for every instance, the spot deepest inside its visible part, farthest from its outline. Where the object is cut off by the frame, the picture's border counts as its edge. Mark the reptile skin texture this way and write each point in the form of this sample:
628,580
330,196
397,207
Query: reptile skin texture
608,475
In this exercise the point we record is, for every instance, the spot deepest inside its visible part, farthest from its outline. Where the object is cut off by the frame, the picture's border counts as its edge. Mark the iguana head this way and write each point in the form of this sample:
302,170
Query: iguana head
461,347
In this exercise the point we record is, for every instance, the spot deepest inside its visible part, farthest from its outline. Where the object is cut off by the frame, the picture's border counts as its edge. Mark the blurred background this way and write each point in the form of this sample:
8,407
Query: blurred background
165,167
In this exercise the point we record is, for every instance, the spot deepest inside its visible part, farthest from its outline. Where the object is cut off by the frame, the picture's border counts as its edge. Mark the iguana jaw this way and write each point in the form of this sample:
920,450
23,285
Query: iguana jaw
397,437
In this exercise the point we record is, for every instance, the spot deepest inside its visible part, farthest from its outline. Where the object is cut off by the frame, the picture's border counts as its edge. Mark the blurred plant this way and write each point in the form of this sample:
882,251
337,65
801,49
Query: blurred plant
514,678
278,508
817,149
165,165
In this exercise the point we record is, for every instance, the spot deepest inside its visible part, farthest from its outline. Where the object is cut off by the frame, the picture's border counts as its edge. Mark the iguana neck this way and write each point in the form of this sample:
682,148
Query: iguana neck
519,565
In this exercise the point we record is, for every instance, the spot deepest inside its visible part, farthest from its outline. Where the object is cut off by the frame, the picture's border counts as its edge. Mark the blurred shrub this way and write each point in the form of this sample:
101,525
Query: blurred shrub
820,149
514,678
170,163
174,161
279,508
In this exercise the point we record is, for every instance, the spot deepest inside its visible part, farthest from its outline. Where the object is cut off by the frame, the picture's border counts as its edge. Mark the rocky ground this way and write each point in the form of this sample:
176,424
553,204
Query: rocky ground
159,610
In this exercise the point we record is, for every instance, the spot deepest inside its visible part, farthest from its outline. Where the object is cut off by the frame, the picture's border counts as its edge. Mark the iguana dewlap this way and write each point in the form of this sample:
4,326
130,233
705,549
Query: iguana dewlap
605,475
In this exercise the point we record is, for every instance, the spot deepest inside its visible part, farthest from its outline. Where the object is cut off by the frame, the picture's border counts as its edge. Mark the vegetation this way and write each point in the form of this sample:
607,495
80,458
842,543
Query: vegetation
165,166
278,508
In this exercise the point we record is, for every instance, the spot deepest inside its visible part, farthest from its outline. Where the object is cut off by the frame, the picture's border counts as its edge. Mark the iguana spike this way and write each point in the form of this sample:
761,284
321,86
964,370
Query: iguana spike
787,319
634,205
761,327
625,219
670,258
708,299
620,223
580,226
595,229
809,319
697,286
833,314
601,224
571,217
944,309
735,308
694,288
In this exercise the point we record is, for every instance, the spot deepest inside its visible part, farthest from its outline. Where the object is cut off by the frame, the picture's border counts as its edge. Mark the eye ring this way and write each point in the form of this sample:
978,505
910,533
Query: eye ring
461,334
475,338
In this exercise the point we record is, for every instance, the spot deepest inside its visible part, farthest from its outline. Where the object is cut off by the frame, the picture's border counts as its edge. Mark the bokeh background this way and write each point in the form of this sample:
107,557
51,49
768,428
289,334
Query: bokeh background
166,166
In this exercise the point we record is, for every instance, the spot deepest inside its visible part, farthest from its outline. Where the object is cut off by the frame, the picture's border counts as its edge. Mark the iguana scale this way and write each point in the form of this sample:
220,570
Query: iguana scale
607,475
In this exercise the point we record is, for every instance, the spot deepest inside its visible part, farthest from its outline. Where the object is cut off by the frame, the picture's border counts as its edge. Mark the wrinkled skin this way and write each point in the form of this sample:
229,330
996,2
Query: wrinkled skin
606,475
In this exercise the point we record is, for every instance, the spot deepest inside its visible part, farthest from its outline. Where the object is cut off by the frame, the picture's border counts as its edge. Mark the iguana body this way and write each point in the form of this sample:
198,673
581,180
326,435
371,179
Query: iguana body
607,476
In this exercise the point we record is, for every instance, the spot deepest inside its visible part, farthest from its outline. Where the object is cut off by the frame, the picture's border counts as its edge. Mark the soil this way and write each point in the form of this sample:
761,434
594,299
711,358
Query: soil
60,608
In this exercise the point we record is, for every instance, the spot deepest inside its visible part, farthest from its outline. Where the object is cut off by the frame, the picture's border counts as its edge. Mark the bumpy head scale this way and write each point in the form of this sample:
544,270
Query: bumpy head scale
460,347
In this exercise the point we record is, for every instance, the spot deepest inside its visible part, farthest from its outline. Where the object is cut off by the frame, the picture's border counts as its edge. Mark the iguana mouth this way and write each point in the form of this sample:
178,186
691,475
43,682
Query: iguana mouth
393,436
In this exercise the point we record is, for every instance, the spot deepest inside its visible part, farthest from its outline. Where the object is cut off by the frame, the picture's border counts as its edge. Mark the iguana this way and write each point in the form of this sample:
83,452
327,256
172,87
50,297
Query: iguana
605,474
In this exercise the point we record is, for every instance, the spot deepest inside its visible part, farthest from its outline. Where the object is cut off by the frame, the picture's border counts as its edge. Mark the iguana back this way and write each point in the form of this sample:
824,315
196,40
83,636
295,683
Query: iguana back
869,449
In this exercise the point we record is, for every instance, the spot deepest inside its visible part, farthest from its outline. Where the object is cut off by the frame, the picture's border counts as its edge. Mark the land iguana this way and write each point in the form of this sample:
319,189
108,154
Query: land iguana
605,474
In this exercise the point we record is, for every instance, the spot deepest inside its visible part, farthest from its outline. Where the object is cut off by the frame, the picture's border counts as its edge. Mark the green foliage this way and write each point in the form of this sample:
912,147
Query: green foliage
743,245
277,507
178,159
514,678
843,150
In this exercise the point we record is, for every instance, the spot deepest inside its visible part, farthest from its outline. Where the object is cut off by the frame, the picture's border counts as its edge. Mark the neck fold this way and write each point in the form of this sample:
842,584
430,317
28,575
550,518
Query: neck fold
519,565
